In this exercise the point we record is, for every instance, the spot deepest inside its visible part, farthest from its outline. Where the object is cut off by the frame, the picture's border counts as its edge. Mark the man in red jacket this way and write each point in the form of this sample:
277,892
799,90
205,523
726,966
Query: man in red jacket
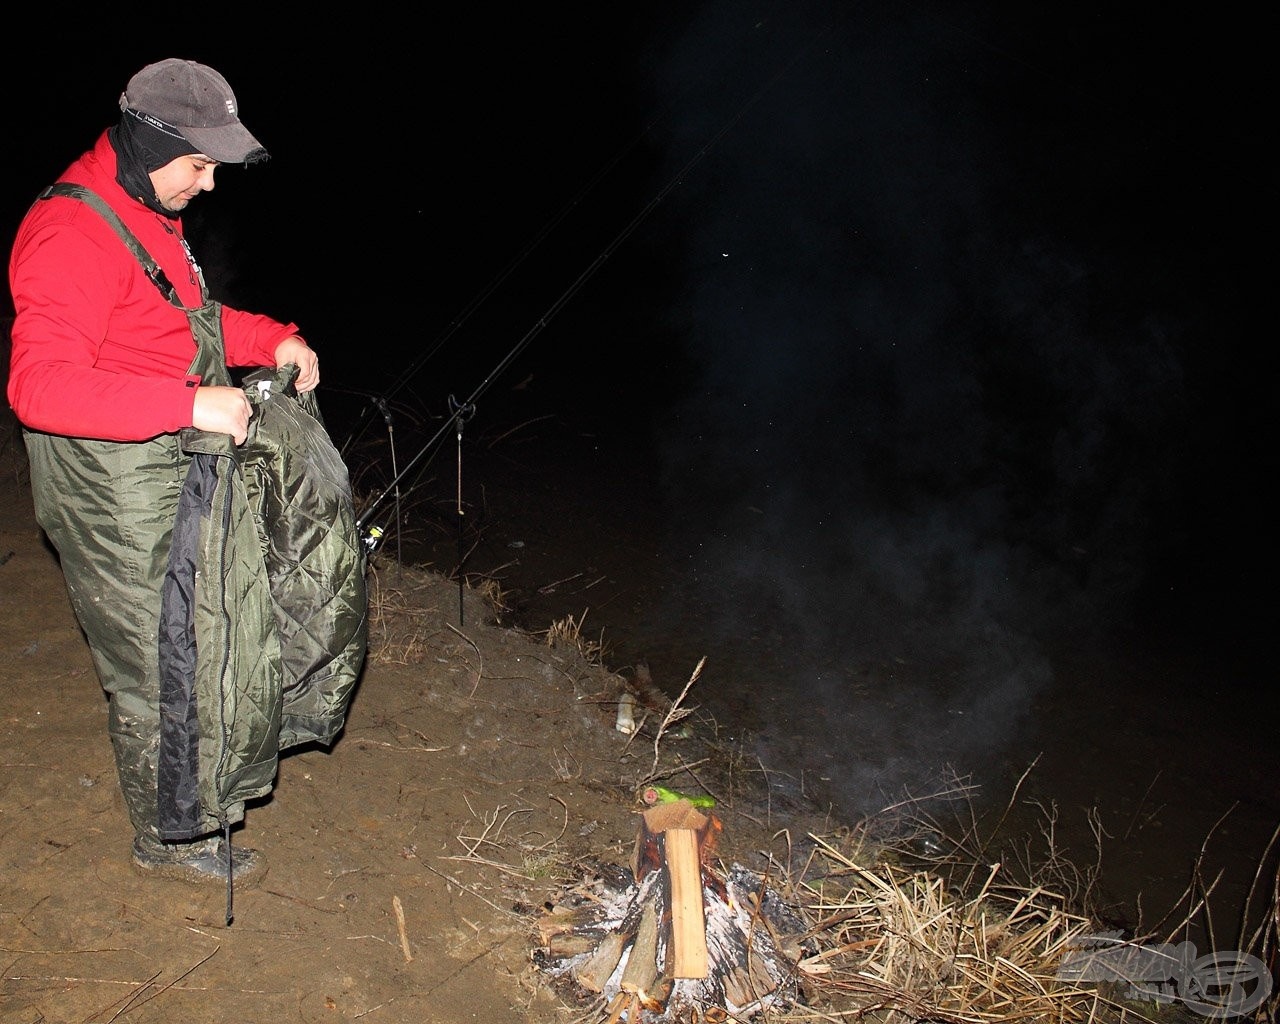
116,348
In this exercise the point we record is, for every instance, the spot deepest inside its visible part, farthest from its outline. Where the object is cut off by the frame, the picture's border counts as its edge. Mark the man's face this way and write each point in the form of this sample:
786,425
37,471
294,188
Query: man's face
181,180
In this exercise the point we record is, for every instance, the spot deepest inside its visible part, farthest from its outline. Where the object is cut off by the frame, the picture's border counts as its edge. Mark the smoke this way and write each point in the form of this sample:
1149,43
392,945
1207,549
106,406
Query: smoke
922,435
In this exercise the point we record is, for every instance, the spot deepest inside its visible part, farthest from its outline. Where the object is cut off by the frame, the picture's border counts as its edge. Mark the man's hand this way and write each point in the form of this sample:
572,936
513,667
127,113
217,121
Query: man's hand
222,411
295,350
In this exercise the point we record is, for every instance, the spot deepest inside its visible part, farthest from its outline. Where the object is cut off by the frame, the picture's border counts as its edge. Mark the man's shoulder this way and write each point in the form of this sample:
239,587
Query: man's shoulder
62,220
69,220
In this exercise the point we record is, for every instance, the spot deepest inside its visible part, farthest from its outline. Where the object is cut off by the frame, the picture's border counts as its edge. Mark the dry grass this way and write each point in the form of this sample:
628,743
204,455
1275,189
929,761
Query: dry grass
899,945
491,592
912,921
400,623
957,940
404,624
567,633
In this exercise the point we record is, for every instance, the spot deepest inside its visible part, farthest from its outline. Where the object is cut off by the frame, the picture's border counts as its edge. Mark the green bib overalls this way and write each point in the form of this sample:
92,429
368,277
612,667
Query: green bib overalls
108,509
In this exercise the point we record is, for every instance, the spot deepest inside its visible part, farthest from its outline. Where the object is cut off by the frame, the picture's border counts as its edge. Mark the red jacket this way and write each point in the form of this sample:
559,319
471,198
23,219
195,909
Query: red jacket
97,351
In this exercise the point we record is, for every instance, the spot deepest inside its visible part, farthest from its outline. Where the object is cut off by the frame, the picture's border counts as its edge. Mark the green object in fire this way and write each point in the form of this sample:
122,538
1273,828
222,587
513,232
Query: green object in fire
662,795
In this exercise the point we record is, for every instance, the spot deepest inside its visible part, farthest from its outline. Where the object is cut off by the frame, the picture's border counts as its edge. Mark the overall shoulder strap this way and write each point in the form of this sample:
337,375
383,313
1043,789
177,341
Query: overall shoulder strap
205,320
152,268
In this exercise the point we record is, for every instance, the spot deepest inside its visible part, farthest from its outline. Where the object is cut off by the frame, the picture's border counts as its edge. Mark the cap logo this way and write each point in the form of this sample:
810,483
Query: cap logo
155,122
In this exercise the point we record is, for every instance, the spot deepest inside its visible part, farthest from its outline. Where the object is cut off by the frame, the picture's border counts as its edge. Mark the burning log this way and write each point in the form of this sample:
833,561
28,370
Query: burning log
675,941
678,838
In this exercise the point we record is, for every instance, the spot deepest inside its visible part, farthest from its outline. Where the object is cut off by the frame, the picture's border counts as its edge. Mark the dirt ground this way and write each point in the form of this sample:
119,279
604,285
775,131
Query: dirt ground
478,766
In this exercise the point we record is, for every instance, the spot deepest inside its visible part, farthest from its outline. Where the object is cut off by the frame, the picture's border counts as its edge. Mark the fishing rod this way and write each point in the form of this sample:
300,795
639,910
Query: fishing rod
460,411
365,419
467,407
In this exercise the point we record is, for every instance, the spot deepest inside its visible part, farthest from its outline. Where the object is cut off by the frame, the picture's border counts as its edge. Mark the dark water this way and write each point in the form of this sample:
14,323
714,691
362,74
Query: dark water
1139,727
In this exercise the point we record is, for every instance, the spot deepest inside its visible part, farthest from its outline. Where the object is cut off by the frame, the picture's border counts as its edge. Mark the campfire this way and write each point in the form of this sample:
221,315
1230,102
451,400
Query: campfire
670,939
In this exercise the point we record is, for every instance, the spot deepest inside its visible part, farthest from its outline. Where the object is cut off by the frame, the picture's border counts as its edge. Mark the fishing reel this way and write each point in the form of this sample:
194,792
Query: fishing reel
372,537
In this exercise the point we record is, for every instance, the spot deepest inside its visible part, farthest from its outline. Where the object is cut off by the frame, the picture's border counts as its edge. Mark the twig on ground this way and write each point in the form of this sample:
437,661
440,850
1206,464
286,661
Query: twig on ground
549,588
563,828
480,670
505,911
675,713
131,1004
398,907
473,843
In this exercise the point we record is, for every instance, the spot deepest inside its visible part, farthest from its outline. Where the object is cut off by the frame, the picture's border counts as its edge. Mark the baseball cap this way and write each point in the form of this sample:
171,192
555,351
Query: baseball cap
197,102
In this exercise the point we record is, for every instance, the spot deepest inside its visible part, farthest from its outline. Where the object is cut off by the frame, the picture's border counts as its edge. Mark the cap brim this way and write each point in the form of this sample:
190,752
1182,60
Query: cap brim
228,143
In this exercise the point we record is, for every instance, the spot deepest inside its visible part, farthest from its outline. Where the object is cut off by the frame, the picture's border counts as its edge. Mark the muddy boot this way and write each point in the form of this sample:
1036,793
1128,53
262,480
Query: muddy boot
202,860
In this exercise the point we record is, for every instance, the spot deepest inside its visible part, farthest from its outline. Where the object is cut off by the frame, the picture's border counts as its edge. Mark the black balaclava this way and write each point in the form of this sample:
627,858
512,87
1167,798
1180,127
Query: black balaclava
142,145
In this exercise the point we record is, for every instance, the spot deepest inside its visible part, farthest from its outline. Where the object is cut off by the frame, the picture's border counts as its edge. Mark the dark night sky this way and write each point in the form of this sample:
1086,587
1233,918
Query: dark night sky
956,248
962,300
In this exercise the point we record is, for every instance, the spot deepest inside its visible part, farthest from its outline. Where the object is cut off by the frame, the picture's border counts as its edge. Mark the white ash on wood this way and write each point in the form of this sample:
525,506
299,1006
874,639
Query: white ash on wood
673,941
